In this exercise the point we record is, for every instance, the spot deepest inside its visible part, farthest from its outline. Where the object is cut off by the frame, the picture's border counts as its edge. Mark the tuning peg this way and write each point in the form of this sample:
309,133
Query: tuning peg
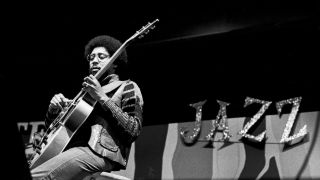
155,21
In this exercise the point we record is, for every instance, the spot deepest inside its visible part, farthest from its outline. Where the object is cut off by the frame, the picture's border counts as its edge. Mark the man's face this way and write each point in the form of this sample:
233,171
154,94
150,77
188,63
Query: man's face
98,58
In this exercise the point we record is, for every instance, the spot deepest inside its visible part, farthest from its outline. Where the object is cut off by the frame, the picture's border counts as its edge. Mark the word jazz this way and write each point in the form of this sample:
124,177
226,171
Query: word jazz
221,124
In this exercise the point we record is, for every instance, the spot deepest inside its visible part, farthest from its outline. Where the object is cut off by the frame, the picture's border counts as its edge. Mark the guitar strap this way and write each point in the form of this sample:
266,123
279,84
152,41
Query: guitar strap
110,87
116,97
106,89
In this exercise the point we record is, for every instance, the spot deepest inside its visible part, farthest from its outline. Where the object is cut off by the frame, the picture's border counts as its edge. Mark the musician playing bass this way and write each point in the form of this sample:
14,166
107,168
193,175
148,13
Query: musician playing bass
103,141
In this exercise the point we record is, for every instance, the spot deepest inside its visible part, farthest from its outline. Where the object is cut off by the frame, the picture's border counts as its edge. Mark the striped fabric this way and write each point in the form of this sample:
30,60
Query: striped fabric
129,115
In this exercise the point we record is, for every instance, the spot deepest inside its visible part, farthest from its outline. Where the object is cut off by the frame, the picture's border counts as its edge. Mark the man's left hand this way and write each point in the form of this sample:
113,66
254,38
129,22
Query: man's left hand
93,87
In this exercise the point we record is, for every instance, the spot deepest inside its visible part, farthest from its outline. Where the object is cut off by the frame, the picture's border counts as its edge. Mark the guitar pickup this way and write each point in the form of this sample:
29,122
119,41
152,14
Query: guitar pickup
38,151
60,123
44,140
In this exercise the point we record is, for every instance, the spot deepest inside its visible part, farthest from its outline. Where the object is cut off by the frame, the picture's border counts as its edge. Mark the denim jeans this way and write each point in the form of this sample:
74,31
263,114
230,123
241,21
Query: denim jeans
75,163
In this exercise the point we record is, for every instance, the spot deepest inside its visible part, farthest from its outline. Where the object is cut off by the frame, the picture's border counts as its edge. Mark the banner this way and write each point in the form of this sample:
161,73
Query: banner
161,153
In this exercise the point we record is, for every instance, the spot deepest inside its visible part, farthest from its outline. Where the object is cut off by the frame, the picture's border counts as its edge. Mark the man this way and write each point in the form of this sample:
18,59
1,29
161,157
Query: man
103,142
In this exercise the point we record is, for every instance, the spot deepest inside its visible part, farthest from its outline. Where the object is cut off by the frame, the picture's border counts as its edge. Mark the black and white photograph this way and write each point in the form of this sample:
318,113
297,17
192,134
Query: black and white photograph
161,90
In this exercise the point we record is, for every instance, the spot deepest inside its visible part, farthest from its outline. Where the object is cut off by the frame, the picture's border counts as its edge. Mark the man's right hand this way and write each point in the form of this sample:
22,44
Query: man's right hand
58,102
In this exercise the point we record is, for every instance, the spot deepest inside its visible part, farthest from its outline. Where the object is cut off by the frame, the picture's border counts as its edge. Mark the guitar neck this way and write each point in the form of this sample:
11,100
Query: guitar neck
139,34
98,75
112,59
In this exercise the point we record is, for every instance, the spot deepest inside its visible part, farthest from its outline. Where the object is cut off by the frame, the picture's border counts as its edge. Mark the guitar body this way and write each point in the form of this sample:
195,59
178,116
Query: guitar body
70,120
61,135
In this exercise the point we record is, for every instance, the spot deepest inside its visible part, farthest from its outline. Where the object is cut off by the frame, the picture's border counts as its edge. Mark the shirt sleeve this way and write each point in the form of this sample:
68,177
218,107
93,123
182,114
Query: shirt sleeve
129,115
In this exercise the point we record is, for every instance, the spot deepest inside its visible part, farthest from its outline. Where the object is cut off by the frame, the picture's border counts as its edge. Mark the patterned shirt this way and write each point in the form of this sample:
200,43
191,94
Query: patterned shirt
128,114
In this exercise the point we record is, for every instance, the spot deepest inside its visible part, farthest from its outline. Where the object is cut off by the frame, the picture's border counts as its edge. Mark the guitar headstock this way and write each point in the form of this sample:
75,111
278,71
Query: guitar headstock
144,30
139,34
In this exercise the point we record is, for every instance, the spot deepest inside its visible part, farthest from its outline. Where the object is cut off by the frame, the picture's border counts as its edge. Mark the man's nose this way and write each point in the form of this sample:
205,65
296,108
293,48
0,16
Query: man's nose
95,60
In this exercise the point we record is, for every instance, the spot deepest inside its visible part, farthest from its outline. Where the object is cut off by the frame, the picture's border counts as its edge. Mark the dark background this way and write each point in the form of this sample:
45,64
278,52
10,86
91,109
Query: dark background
222,50
225,50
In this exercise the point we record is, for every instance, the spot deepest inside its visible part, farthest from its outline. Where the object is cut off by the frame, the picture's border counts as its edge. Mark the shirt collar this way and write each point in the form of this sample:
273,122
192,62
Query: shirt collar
110,78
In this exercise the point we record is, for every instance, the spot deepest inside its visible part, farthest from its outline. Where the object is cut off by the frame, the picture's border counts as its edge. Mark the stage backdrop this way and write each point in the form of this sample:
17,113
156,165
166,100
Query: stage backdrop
160,152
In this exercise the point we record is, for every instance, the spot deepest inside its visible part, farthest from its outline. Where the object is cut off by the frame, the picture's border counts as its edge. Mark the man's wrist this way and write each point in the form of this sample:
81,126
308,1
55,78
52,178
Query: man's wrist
103,99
